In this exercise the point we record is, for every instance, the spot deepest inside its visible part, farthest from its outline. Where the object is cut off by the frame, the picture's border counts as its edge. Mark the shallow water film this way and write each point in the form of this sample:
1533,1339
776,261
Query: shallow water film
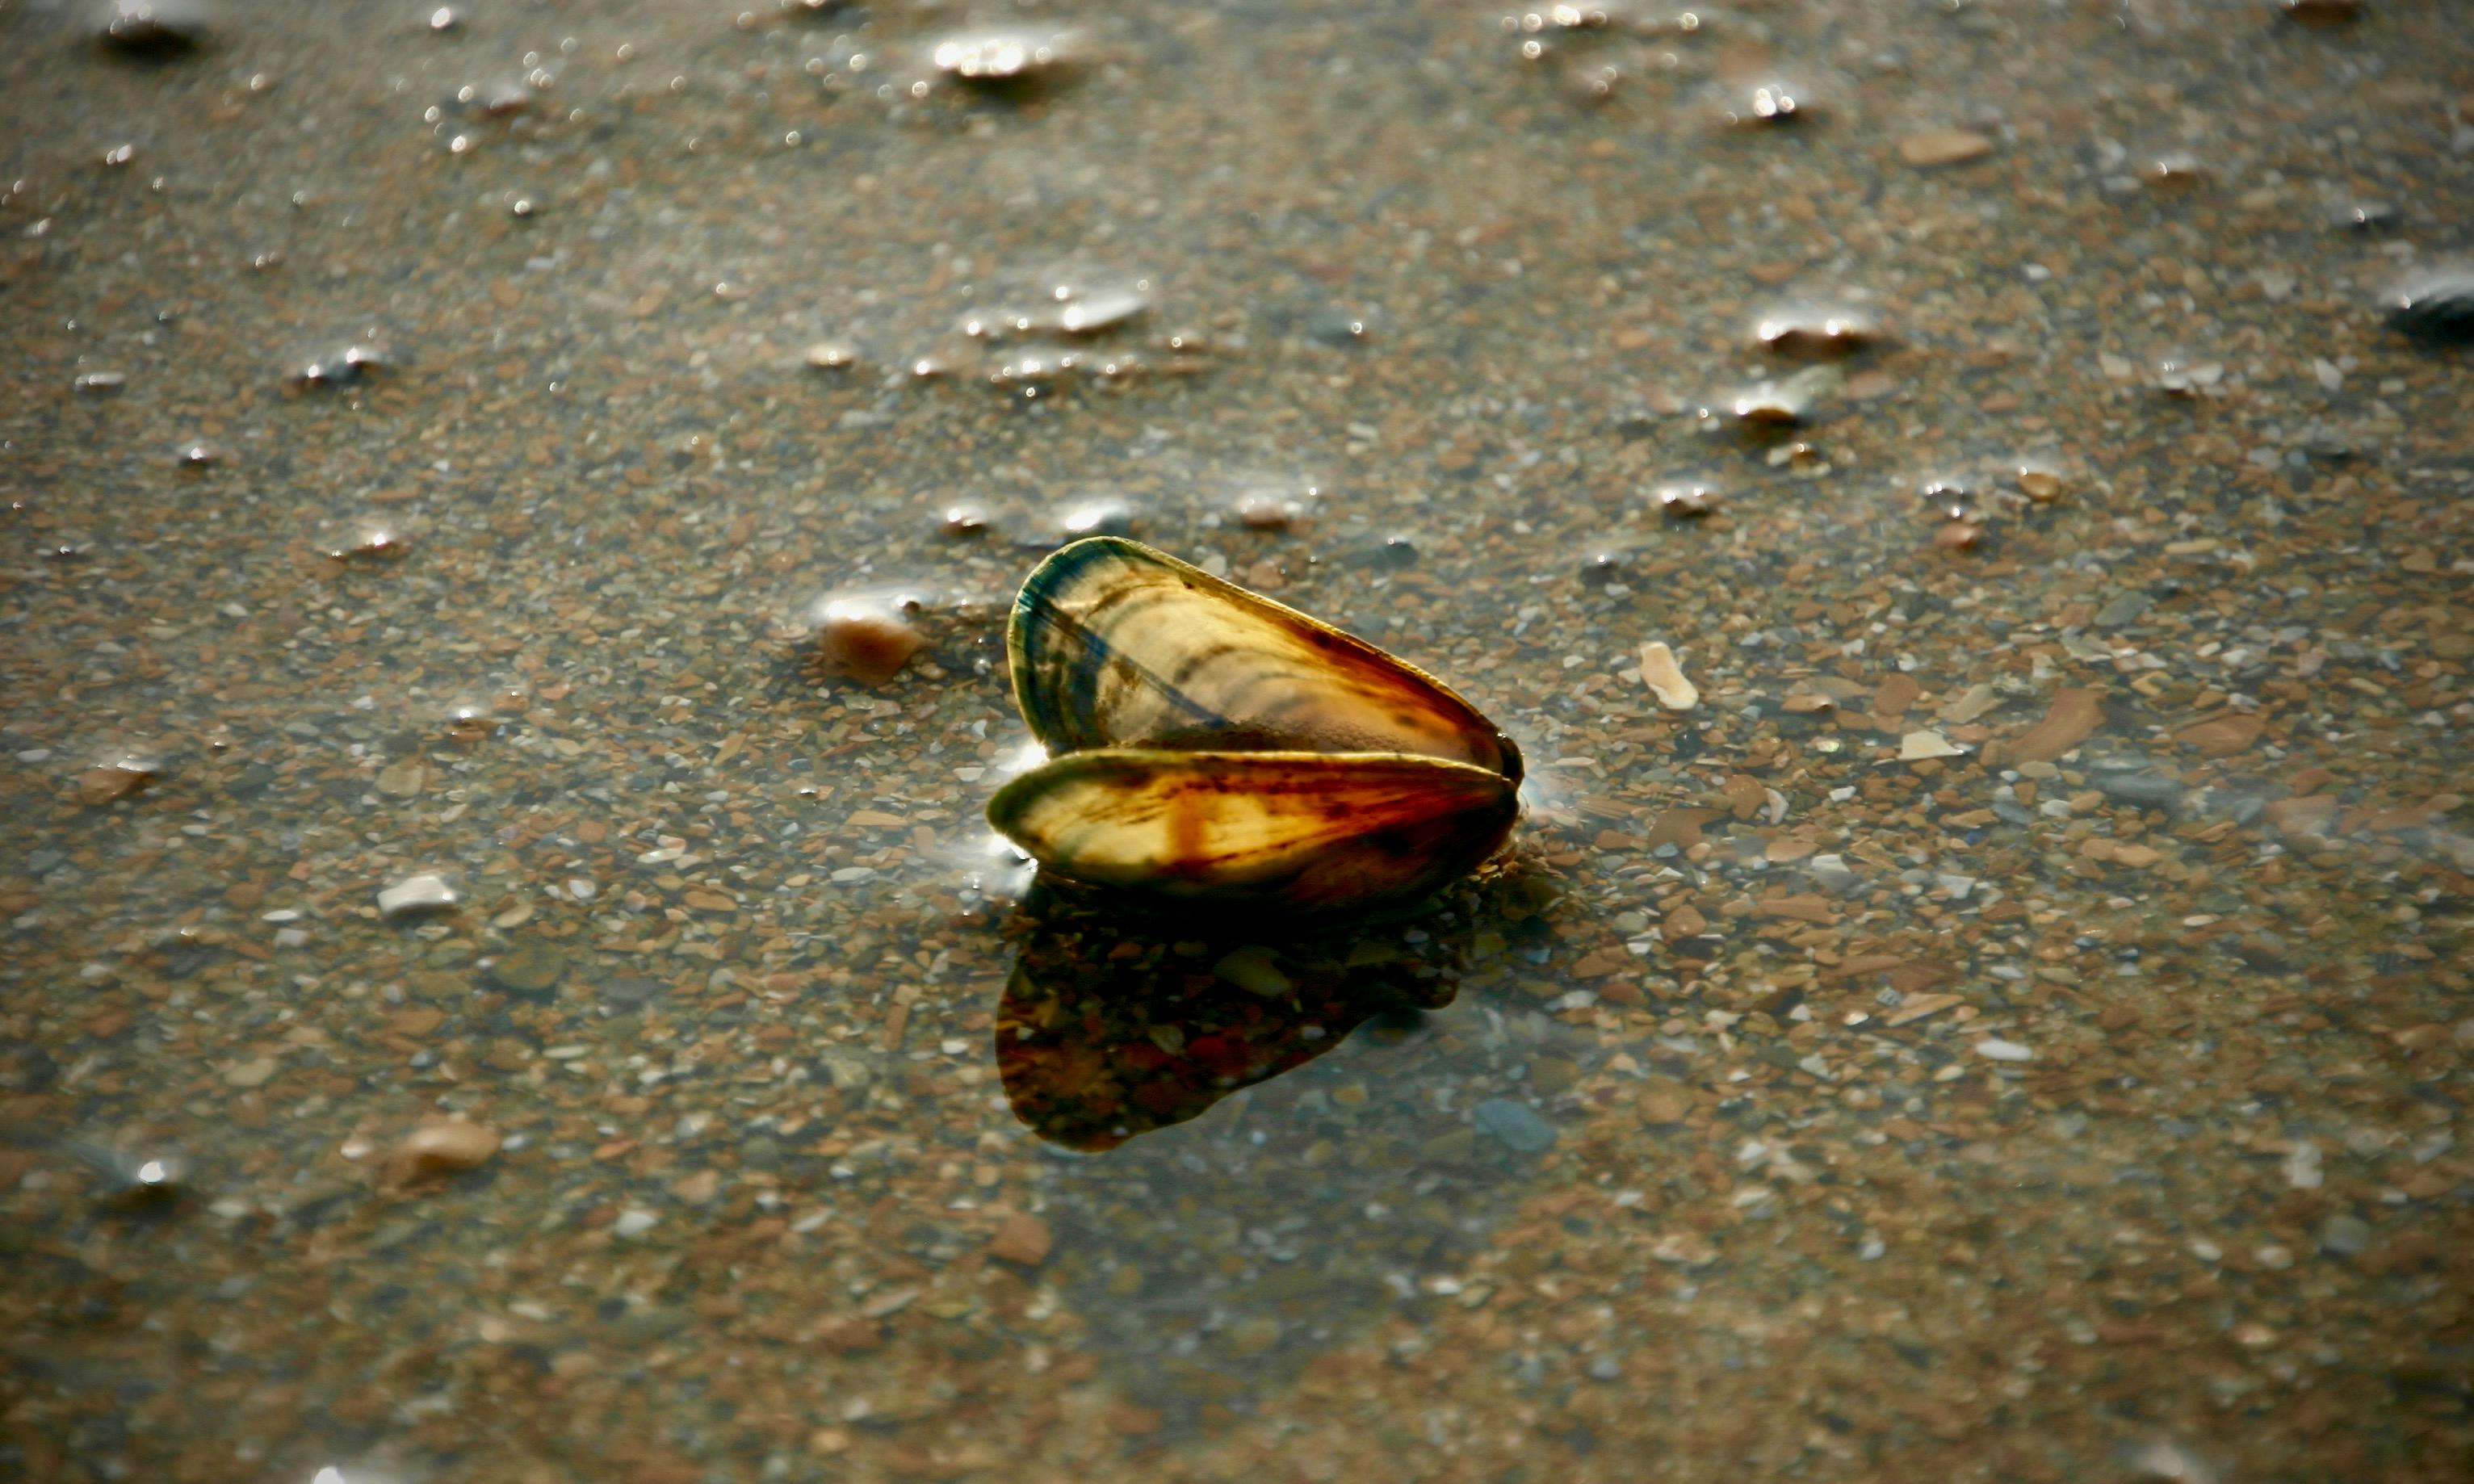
1966,509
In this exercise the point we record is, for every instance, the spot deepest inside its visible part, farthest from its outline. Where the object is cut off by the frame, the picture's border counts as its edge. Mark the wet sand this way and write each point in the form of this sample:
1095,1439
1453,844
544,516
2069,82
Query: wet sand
2013,1025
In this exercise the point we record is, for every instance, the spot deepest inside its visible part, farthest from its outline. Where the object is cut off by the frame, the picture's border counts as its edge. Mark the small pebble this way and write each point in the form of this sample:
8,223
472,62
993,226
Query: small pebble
833,356
1256,970
528,968
2040,481
443,1148
1022,1239
1994,1048
1336,328
865,636
1815,330
1514,1125
372,542
1266,511
1936,147
111,783
2344,1236
1684,500
252,1073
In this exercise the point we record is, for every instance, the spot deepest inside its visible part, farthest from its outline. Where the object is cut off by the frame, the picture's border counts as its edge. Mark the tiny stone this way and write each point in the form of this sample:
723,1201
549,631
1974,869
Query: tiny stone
2344,1236
1944,147
865,636
443,1149
1254,970
1685,500
1336,328
630,992
2146,789
634,1222
833,356
1514,1125
100,786
252,1073
1996,1049
2122,608
1023,1239
531,968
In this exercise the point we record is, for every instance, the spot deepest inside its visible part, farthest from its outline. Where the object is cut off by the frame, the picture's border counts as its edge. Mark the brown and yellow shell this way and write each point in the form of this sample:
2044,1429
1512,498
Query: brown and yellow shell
1211,745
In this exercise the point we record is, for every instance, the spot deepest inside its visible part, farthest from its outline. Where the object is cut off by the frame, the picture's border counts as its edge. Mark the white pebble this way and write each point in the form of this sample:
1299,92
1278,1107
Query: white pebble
1999,1050
633,1222
426,893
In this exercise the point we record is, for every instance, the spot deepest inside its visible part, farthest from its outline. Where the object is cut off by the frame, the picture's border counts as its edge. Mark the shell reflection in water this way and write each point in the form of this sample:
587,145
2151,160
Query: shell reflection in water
1211,745
1102,1036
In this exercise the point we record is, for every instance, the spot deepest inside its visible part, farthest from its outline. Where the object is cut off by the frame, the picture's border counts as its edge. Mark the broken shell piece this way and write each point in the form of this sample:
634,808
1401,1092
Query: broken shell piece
1665,677
1968,704
1105,309
1919,746
417,895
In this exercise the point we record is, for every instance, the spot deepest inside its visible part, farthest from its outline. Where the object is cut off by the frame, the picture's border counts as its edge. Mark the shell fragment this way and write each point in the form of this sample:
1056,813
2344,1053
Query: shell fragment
1665,677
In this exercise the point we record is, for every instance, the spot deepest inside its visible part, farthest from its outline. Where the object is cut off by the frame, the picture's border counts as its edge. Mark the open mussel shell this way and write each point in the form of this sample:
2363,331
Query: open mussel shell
1213,745
1114,644
1313,831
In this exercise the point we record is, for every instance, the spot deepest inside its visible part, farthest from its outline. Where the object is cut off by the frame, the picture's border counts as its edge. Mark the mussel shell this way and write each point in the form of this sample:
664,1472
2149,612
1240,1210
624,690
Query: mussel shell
1114,644
1307,831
